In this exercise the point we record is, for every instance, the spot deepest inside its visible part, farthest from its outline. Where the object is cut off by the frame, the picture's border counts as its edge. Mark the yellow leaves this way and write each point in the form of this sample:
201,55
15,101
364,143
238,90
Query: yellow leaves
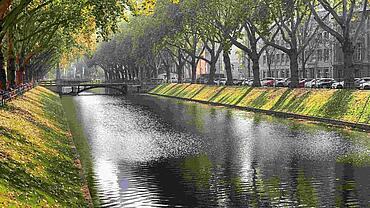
207,93
144,7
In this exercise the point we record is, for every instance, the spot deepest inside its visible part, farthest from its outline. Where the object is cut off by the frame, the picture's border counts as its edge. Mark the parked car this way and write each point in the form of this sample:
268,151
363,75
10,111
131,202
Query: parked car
268,82
302,82
174,80
202,80
222,81
338,85
324,83
365,83
361,80
247,82
310,84
237,82
279,82
357,82
287,82
365,86
187,80
241,82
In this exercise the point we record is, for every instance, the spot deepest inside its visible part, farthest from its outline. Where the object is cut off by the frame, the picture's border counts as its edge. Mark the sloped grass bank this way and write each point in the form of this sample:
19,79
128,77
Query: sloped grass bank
343,105
38,167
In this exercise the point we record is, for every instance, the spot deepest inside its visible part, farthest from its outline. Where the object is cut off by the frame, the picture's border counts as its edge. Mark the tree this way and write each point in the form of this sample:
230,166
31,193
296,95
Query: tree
289,17
32,26
347,25
245,31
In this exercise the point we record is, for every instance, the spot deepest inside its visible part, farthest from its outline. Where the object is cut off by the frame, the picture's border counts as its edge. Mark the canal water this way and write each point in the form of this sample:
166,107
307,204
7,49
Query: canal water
150,151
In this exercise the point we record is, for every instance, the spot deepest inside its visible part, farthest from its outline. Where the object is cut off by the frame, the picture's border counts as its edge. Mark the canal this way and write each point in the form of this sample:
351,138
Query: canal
151,151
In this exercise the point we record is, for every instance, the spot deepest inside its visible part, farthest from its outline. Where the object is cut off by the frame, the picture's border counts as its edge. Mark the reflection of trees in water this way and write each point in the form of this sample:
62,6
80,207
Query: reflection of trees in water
196,116
214,178
198,169
199,181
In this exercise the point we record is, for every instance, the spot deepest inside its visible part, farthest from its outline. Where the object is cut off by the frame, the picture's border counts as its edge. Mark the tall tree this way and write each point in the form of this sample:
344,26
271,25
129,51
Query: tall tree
347,25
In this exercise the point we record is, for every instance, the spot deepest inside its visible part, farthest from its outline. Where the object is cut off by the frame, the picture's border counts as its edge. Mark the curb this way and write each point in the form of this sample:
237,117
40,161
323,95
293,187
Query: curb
334,122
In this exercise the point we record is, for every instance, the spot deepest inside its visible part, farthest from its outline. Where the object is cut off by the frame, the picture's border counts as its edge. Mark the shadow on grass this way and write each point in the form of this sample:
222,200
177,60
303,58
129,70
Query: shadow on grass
337,105
56,183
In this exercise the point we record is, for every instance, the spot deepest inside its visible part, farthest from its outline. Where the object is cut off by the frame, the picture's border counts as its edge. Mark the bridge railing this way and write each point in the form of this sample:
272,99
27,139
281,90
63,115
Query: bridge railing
8,95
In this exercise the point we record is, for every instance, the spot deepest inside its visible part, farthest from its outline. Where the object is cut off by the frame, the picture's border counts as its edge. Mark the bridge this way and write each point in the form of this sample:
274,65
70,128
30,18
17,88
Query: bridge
74,87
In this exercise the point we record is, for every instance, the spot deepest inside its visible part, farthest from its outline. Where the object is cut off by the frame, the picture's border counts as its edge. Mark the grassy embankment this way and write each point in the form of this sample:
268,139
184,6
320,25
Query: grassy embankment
345,105
38,167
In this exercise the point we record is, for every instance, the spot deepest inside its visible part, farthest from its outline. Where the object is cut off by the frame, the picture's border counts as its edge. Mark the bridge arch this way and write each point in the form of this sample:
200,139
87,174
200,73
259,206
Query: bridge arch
123,90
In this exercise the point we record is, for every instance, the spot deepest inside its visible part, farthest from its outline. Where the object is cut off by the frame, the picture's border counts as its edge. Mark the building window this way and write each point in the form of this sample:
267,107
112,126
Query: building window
326,55
359,52
283,58
286,59
264,59
319,36
277,58
326,35
319,55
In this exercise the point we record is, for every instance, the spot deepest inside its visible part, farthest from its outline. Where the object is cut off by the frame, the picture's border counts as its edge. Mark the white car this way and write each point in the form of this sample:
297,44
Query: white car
174,80
362,81
310,84
365,85
222,81
337,85
247,82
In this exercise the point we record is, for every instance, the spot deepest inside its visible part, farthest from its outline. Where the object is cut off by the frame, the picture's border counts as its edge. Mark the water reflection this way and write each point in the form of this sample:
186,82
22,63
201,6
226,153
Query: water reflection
151,152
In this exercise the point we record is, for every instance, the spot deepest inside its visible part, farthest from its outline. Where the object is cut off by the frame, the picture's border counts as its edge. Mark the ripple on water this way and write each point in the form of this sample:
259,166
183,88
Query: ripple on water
154,152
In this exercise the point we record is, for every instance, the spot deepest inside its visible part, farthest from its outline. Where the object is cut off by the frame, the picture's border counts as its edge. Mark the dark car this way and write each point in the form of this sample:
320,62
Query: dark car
302,82
187,80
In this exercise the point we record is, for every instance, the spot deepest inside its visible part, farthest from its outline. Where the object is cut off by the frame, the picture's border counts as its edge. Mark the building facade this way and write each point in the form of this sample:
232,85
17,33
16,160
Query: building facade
361,57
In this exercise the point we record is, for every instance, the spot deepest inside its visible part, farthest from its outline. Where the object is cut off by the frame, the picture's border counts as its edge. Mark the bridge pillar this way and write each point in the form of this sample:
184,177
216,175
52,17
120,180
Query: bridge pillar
59,86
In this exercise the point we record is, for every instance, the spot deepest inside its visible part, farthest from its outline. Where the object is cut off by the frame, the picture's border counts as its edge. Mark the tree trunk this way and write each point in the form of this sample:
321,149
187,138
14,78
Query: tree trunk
168,74
193,71
2,72
348,75
227,63
180,66
293,56
304,74
212,71
27,74
11,62
180,70
11,71
106,76
256,71
304,60
249,68
268,70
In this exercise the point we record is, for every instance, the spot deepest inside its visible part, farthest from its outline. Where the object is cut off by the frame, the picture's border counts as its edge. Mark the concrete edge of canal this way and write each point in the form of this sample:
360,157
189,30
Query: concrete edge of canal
281,102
